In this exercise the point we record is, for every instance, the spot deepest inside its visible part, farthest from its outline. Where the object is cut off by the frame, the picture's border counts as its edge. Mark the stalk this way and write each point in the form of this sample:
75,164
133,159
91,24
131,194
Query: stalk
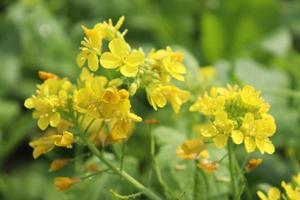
231,161
121,173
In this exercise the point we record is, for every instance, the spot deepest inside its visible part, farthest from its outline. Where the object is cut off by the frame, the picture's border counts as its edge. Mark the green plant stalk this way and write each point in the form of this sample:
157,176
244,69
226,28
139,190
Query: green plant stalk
122,173
234,188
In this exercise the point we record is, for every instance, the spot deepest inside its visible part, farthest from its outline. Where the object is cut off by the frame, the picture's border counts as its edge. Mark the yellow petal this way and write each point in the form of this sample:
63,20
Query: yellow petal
93,61
261,195
81,58
29,103
129,71
269,147
237,136
274,193
43,123
110,61
249,144
119,47
135,58
55,119
220,140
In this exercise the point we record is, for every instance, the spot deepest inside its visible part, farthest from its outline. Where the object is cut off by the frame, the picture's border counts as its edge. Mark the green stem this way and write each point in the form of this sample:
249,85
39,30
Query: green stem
122,155
232,170
152,153
123,174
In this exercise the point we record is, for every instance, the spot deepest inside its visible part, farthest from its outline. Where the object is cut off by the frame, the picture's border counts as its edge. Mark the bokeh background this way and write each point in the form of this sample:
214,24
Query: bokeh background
260,38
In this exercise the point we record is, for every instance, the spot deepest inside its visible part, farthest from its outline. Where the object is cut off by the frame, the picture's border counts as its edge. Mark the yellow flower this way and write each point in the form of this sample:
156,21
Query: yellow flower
108,30
58,164
155,96
209,105
64,183
51,98
273,194
91,49
175,96
121,56
47,143
292,193
256,135
170,62
192,146
239,113
191,150
224,127
159,95
65,140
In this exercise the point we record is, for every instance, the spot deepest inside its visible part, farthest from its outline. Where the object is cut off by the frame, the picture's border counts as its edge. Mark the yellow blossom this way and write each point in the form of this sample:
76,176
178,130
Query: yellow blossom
64,183
121,56
51,98
108,30
159,95
237,113
273,194
91,49
293,193
47,143
169,61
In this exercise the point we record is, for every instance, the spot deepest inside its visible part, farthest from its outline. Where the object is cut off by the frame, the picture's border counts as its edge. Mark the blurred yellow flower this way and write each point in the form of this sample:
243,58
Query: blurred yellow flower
58,164
273,194
64,183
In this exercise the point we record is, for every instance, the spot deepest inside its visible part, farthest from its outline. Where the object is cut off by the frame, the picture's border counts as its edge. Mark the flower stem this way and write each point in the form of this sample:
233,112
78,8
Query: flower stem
231,161
122,173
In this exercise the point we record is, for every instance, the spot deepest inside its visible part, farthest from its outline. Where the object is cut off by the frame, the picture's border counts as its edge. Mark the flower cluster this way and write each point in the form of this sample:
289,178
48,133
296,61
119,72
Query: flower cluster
241,114
153,72
292,191
97,109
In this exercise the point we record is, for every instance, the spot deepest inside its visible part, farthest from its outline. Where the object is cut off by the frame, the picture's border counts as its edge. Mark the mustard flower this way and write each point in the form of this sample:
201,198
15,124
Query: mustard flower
108,30
273,194
121,56
239,114
47,143
91,49
51,99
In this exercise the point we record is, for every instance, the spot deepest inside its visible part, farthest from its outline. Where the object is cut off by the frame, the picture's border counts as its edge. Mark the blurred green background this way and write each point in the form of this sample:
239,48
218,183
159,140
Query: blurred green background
250,41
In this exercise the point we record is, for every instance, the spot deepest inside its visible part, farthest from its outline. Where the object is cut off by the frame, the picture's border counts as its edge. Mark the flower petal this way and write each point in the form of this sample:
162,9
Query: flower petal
110,61
135,58
119,47
129,70
93,61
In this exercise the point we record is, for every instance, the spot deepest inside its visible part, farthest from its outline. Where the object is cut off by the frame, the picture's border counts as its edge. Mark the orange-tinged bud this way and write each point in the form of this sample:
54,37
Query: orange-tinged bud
58,164
91,167
151,121
64,183
208,167
47,75
253,163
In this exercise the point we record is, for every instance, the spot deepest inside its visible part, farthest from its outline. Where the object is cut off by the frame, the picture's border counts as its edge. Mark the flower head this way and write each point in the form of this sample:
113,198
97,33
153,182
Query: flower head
237,113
